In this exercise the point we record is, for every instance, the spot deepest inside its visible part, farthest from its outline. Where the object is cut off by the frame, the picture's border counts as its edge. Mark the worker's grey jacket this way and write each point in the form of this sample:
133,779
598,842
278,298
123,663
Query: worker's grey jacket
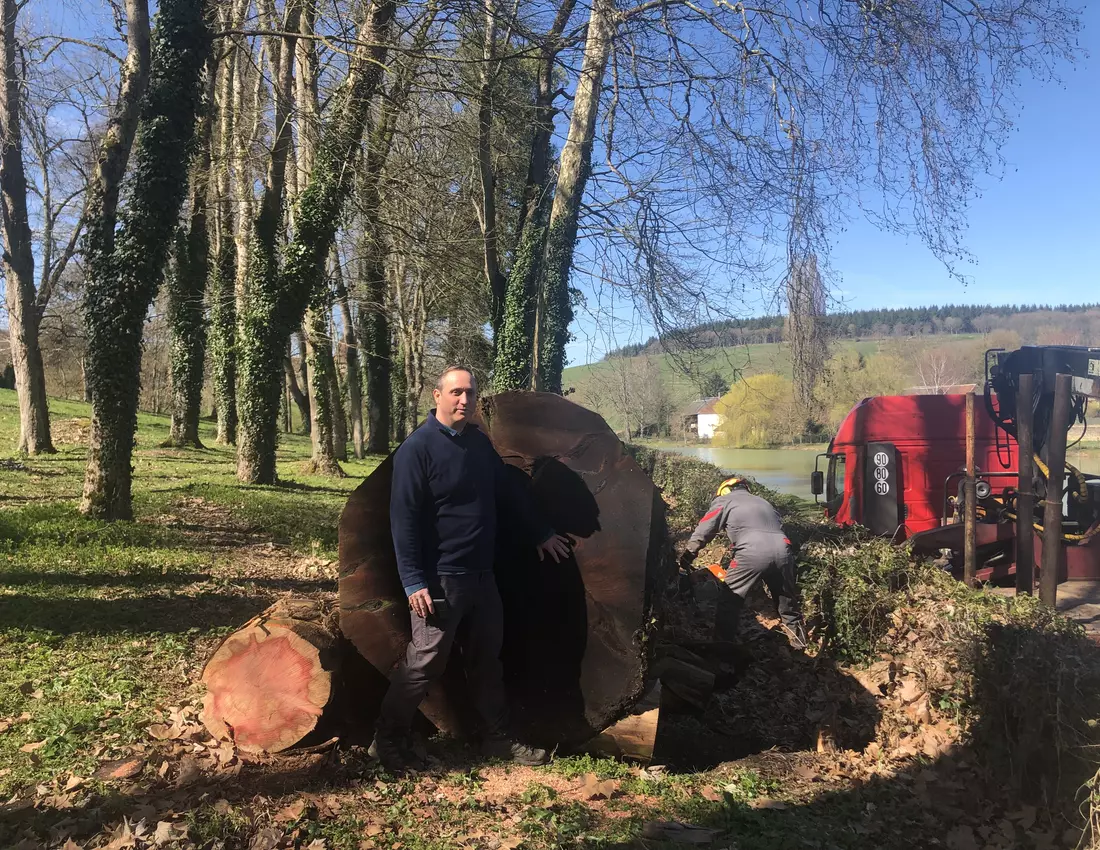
749,522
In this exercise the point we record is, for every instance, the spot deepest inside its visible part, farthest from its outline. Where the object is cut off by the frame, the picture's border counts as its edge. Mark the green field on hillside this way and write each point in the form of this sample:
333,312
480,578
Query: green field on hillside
681,373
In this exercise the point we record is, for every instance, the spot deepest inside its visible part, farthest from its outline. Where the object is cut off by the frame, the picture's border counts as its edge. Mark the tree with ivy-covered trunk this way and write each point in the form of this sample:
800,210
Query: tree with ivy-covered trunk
124,265
556,313
276,304
323,407
186,294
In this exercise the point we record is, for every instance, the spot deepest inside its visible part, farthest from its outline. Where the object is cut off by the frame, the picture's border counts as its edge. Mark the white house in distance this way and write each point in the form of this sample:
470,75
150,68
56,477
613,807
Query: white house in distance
701,419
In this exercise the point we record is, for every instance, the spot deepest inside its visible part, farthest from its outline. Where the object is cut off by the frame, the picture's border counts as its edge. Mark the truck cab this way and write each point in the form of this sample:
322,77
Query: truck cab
897,461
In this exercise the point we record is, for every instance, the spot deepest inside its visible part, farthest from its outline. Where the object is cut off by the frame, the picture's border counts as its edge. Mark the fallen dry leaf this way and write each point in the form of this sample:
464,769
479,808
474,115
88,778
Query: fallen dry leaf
189,772
292,812
373,829
367,844
265,839
30,748
712,794
73,782
768,803
511,842
70,845
316,844
120,769
163,731
961,837
121,837
1025,815
594,789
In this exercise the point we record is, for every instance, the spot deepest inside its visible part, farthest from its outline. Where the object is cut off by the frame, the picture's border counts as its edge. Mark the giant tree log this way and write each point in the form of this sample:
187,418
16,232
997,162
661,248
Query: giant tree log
574,655
268,684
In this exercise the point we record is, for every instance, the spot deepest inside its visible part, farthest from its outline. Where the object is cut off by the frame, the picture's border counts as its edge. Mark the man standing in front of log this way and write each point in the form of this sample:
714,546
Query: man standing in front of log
448,484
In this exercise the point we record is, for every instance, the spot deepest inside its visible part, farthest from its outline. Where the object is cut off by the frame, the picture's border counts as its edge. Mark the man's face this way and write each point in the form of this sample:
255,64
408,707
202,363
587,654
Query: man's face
455,398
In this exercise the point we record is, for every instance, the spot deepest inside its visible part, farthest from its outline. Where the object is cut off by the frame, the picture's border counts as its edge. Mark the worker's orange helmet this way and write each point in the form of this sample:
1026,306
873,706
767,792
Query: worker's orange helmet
729,484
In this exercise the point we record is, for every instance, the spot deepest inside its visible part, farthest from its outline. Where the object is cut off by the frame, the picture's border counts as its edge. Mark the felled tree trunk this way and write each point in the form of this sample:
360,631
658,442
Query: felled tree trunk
574,655
268,684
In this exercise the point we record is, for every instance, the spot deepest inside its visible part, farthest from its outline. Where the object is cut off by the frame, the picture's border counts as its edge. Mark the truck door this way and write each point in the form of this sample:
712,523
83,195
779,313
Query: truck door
881,489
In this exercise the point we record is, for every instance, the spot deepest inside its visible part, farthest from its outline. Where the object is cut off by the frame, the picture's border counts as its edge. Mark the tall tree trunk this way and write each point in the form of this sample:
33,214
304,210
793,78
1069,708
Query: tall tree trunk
339,414
490,241
303,382
18,261
187,290
514,342
269,320
399,392
124,268
575,163
321,407
223,273
351,345
296,393
376,336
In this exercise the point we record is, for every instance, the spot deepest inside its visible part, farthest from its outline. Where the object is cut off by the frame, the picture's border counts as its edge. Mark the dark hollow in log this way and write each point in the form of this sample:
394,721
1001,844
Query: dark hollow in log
269,683
574,658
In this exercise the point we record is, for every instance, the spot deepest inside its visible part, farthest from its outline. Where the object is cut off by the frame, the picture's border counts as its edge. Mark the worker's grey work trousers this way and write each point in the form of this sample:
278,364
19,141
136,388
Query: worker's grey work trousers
767,558
475,620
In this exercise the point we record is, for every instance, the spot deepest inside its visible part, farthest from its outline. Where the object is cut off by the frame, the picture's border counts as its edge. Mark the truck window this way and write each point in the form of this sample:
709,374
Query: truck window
834,485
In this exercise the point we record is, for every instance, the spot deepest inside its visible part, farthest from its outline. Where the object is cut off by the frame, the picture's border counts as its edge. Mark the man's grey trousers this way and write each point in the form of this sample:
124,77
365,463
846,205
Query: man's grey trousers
475,621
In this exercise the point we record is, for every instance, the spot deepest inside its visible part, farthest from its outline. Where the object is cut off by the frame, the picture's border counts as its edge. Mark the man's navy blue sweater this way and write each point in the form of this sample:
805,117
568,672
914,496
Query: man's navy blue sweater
447,487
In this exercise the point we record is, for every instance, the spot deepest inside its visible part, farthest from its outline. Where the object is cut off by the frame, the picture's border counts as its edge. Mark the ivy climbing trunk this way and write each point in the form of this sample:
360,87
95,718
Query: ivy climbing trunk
321,378
223,271
276,309
24,315
514,340
351,345
257,404
295,391
575,163
124,268
186,293
376,333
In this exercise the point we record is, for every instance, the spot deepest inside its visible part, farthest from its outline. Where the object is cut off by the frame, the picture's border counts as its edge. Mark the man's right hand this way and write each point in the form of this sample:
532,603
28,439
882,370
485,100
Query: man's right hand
421,603
686,560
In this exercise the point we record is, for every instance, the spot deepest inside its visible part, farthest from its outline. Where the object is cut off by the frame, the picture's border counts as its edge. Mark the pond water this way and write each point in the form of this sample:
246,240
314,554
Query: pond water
788,469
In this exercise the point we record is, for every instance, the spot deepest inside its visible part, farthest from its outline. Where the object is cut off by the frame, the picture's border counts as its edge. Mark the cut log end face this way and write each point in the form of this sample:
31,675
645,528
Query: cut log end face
267,687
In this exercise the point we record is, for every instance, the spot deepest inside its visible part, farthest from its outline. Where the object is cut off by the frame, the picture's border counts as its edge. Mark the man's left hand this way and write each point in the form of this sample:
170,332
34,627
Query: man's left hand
557,547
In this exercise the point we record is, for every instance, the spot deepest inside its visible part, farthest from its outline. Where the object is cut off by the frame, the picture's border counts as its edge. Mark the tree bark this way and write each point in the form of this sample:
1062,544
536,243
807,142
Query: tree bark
351,345
490,242
575,163
186,293
267,322
321,407
223,305
296,391
18,260
303,381
514,341
124,268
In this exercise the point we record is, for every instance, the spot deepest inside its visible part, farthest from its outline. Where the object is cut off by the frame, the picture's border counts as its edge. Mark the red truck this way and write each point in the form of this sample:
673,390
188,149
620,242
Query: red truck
896,466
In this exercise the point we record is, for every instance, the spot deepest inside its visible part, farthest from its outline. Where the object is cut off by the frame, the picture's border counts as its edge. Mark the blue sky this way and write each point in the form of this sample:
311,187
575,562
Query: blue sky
1034,228
1034,234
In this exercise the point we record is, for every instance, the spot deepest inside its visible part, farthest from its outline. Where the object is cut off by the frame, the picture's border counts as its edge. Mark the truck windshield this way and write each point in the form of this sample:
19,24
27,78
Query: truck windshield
834,486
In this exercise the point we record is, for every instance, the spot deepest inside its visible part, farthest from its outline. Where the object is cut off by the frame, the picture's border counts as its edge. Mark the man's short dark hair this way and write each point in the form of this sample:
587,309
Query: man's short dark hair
455,368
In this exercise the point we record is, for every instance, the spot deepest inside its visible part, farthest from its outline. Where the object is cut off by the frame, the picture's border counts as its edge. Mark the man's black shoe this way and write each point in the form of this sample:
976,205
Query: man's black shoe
513,751
396,754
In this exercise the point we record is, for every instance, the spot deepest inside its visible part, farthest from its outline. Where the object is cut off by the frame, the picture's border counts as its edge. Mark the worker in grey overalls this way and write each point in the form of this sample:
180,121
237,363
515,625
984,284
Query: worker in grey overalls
759,550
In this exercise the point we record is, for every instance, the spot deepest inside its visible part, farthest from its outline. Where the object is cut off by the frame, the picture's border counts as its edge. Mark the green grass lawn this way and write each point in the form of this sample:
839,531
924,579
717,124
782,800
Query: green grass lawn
105,627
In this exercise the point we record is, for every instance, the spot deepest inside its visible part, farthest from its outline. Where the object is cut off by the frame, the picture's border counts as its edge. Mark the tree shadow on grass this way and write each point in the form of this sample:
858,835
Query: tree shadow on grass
159,613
